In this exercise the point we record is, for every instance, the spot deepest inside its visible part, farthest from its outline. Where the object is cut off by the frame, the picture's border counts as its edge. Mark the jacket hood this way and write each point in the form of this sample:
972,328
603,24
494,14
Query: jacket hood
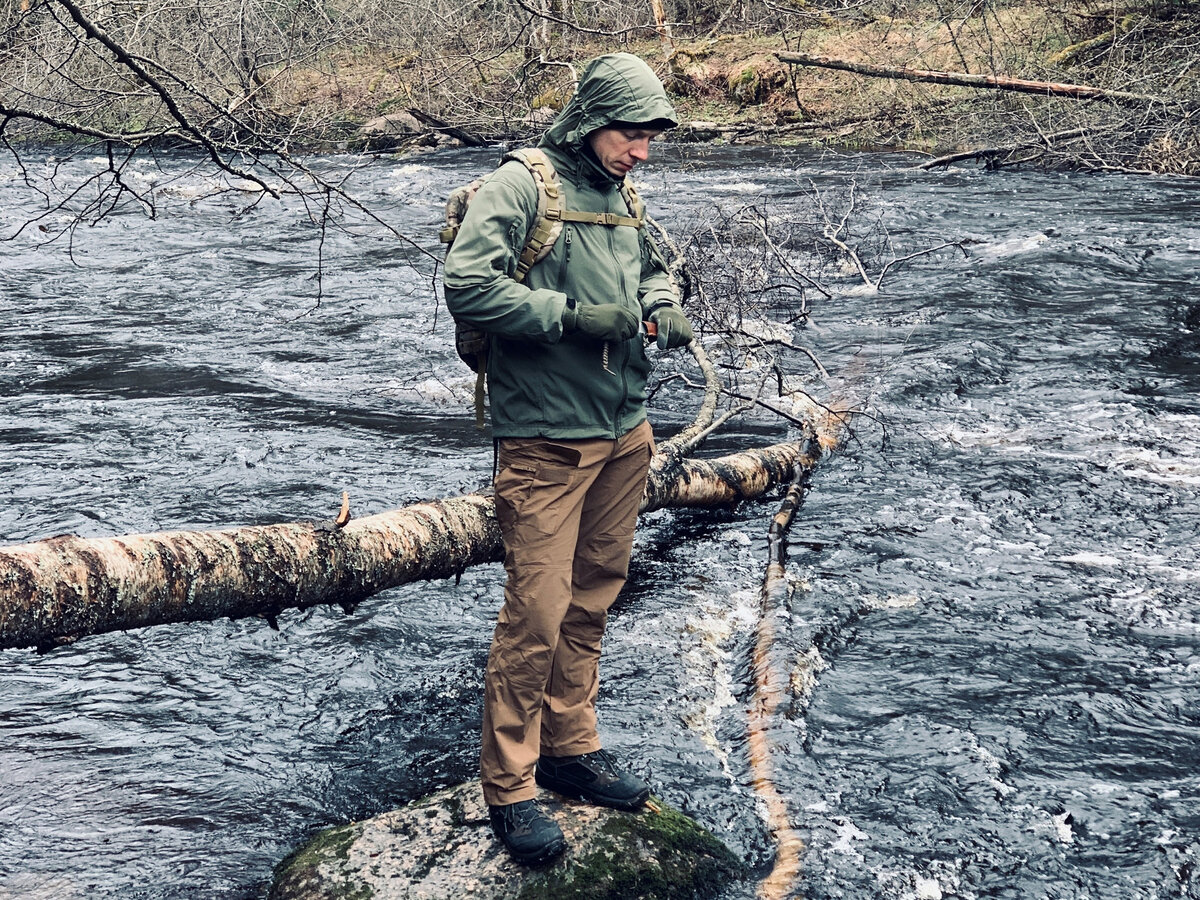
616,87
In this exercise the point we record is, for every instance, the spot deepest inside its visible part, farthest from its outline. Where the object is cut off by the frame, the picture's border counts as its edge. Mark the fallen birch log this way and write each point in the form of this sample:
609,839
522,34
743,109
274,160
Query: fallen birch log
963,79
57,590
772,672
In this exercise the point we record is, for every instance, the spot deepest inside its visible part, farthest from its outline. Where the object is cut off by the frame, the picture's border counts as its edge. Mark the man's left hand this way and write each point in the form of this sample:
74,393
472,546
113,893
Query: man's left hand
674,330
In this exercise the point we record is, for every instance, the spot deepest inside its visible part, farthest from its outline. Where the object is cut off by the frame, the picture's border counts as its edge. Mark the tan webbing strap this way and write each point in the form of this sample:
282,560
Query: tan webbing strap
551,214
547,223
480,388
633,201
604,218
547,226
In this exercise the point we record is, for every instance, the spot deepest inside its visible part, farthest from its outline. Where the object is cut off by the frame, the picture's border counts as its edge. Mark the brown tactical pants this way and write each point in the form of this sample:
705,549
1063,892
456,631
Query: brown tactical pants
567,511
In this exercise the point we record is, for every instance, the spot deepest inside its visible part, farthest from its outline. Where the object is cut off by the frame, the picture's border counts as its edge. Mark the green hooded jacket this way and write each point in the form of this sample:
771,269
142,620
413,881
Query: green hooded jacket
541,381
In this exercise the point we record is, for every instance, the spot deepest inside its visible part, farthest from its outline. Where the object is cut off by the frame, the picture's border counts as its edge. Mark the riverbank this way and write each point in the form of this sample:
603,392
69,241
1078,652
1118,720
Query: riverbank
734,87
375,76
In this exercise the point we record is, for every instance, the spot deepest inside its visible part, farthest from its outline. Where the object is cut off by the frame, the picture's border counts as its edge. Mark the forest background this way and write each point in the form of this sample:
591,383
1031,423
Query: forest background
248,81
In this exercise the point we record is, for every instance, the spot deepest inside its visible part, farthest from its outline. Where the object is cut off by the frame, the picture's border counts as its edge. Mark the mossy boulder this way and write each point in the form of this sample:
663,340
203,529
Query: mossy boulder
755,84
442,848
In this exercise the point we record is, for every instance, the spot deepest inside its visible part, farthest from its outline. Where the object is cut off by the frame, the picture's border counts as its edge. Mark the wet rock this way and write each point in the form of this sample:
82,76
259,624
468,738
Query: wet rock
400,123
391,132
441,848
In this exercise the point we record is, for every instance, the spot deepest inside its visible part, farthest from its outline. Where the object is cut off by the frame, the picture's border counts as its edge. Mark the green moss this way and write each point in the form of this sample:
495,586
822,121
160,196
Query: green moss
649,857
746,86
298,875
402,101
753,85
458,815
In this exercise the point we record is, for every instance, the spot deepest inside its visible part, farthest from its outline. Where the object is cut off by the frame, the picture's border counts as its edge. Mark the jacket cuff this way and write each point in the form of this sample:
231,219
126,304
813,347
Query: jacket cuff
569,316
657,305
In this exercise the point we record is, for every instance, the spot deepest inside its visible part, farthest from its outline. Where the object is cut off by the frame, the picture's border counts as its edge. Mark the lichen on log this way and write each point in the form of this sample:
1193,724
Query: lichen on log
57,590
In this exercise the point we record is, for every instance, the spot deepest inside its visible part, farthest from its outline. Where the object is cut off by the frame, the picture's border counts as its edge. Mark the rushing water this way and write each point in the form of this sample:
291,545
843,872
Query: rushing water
996,581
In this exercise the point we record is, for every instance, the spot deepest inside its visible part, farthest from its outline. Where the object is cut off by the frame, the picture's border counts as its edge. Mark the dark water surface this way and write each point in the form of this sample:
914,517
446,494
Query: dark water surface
996,622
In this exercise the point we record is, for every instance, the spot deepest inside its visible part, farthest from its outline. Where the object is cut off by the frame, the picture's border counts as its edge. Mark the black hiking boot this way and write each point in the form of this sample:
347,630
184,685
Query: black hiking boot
530,835
593,778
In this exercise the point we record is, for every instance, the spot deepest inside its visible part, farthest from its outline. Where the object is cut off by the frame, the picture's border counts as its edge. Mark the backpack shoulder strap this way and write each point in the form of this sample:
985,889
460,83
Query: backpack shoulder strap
548,221
551,212
637,209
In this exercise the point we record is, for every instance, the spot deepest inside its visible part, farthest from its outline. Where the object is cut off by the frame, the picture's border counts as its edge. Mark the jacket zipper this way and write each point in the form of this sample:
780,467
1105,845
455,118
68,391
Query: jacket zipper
612,249
562,269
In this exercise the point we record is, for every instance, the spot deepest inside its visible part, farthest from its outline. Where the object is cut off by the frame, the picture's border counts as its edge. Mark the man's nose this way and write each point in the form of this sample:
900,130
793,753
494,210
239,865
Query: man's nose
640,150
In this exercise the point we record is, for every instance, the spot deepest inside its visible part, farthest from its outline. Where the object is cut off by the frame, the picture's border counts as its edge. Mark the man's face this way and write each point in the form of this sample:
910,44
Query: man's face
621,147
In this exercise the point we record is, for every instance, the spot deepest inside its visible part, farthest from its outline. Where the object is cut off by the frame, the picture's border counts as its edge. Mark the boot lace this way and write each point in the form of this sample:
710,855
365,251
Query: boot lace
601,760
520,815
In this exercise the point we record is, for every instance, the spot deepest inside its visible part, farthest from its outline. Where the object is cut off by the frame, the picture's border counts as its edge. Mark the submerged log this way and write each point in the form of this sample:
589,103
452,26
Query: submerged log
772,672
442,848
57,590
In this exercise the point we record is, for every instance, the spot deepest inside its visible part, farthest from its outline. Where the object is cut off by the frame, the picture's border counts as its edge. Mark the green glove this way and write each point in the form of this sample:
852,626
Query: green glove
674,330
603,321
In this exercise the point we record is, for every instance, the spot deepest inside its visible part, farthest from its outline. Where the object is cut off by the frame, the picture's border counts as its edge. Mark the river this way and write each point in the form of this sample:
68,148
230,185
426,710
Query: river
995,580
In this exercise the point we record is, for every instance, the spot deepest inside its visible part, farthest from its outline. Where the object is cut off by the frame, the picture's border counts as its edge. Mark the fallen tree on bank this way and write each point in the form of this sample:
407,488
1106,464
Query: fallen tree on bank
964,79
1136,112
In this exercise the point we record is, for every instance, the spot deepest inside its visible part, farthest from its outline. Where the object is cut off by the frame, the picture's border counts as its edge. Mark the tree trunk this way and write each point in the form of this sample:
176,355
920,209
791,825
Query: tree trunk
995,82
678,77
60,589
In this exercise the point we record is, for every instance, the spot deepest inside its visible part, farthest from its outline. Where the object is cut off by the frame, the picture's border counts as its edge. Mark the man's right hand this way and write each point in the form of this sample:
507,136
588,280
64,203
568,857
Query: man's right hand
603,321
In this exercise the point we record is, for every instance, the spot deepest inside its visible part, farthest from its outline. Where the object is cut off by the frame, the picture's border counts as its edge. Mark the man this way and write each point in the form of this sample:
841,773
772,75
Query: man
567,373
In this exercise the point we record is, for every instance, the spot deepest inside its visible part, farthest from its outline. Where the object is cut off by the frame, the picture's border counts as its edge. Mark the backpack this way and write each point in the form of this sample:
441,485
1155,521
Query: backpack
471,343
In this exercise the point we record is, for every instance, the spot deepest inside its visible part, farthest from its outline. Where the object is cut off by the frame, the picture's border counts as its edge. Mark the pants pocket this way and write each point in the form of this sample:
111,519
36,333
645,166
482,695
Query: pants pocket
533,488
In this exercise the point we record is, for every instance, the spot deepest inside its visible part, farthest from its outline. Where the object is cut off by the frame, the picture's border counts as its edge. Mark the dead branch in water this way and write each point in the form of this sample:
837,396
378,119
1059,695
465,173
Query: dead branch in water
1046,141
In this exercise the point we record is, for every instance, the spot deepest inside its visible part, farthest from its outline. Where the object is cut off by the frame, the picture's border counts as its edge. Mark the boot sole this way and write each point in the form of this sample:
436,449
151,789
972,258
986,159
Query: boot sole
540,858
